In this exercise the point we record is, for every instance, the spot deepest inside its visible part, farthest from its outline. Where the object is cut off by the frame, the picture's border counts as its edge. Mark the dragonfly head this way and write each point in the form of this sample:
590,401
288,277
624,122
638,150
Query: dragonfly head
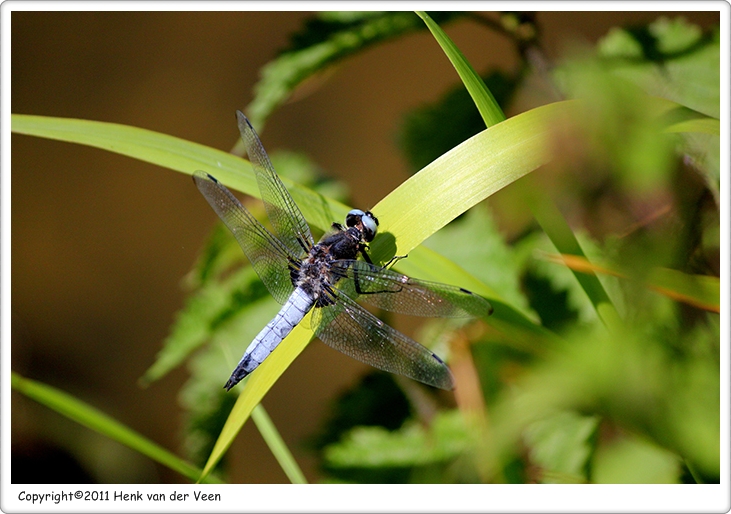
364,221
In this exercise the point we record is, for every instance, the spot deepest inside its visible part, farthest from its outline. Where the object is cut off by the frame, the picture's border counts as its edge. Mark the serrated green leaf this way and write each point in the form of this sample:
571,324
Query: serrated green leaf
323,42
412,445
215,303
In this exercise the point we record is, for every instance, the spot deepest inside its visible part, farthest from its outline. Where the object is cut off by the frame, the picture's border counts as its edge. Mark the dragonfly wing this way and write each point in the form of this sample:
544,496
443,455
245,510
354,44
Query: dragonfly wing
392,291
269,257
352,330
284,215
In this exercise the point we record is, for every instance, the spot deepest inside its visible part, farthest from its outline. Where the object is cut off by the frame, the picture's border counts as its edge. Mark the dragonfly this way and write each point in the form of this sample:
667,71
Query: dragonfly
328,278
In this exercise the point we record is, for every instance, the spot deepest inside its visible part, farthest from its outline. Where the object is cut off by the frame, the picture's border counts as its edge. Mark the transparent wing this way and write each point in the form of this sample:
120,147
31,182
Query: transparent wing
269,257
352,330
395,292
284,215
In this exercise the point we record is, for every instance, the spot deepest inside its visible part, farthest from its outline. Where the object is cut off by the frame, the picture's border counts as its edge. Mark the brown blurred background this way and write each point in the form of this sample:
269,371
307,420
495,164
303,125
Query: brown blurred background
100,242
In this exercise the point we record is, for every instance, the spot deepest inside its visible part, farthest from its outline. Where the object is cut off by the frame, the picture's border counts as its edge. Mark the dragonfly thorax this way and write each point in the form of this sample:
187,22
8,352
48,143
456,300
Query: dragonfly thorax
313,274
343,243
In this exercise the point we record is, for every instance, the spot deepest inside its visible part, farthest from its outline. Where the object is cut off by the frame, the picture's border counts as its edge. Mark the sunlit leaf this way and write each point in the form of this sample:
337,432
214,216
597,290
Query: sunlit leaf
487,257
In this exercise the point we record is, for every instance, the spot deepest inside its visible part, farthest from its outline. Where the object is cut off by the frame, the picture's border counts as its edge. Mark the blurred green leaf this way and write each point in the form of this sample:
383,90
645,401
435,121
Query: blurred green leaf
622,129
633,377
670,58
685,69
561,446
634,461
375,400
700,291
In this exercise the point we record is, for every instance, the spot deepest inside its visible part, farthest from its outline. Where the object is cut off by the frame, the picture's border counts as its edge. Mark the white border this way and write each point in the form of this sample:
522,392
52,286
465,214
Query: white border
364,498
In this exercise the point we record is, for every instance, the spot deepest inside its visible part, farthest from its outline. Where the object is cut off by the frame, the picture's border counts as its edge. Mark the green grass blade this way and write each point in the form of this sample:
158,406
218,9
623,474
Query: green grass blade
557,229
256,386
701,291
176,154
146,145
276,445
464,176
92,418
485,102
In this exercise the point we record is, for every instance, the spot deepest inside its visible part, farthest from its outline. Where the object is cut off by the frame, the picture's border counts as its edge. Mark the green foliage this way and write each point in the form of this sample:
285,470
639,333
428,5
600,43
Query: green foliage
561,446
433,129
376,455
323,41
619,356
485,254
375,401
675,60
631,460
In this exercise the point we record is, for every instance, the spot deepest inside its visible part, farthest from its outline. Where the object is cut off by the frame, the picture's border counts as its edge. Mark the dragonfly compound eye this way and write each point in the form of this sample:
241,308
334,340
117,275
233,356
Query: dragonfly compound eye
368,223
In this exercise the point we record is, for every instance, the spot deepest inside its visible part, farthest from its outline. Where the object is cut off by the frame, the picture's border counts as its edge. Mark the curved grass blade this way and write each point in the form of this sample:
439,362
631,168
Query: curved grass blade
702,291
256,386
466,175
94,419
176,154
486,104
276,445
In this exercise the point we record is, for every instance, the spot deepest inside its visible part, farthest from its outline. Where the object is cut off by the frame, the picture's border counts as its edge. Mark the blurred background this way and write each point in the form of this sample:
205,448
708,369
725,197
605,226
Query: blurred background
100,242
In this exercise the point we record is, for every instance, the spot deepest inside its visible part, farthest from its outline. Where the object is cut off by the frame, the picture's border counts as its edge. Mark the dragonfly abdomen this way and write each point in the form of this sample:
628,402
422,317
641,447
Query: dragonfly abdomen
291,313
